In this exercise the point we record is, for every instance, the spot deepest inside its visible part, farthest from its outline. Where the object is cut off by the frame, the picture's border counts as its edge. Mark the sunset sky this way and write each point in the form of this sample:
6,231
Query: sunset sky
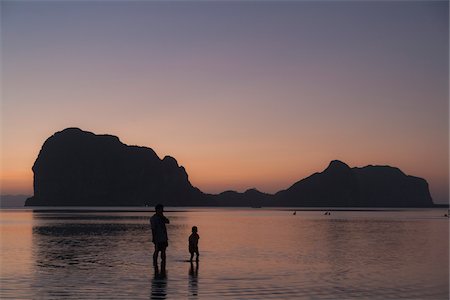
243,94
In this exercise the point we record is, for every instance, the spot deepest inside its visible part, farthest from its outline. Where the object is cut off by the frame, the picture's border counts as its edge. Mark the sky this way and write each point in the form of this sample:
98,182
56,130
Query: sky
244,94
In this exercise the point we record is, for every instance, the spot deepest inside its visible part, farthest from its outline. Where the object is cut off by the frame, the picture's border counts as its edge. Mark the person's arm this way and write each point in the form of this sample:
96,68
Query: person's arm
166,220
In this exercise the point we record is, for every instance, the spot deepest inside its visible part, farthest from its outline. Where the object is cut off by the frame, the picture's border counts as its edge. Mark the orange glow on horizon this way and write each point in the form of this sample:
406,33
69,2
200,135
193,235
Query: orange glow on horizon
16,182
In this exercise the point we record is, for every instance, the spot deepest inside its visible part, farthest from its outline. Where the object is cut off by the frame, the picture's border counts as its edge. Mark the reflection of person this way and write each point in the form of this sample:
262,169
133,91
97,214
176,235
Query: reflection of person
159,233
159,283
193,280
193,243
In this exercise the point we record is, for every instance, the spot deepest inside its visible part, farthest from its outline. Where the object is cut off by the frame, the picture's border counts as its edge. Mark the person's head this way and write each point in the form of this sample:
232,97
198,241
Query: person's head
159,208
194,229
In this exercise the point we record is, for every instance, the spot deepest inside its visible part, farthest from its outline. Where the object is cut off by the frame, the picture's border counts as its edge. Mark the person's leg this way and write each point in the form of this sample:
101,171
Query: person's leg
197,253
163,268
163,255
155,255
192,255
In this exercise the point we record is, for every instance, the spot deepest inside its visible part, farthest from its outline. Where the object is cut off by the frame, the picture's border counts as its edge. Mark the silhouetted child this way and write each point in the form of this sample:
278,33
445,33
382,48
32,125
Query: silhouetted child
193,243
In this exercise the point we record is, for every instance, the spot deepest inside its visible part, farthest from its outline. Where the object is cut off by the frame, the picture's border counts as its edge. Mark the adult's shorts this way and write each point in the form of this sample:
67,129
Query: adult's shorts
161,245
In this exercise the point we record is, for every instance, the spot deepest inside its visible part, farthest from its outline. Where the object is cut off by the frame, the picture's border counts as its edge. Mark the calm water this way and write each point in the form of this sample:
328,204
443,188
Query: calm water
245,254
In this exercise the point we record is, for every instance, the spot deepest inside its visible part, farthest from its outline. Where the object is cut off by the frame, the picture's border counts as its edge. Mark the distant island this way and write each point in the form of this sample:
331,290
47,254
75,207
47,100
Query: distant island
13,201
79,168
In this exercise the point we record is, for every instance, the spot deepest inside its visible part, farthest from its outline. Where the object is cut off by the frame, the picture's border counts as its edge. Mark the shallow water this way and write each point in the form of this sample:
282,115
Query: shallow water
245,254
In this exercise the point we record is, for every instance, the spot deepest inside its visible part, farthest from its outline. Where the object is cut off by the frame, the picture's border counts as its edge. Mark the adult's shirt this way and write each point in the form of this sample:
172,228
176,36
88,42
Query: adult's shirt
159,231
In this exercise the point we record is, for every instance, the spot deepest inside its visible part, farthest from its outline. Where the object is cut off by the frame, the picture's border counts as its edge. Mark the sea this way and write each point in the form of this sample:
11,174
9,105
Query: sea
259,253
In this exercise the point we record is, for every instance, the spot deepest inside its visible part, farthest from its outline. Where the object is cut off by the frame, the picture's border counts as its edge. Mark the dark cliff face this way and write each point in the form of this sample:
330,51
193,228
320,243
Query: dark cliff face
337,184
80,168
372,186
387,186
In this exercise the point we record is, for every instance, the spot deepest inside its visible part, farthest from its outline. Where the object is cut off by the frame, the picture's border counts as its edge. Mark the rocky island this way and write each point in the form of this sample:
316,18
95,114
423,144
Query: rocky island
79,168
371,186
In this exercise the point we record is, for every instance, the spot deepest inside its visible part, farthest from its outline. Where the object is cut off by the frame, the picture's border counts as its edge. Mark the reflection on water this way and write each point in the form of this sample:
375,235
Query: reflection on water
245,254
159,282
193,279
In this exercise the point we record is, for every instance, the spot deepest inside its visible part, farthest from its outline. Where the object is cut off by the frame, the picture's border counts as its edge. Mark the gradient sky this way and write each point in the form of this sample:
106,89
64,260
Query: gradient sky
243,94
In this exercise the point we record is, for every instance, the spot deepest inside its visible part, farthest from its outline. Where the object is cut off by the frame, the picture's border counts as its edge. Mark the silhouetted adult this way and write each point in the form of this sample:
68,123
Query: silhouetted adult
159,234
